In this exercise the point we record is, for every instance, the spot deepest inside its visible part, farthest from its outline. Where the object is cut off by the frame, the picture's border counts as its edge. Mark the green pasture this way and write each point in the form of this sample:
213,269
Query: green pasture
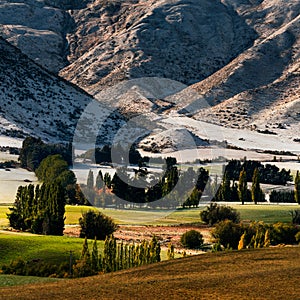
51,249
249,212
12,280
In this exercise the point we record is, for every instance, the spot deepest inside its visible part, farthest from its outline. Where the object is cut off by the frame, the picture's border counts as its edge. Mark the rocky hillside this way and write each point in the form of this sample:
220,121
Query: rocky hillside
260,88
34,101
239,58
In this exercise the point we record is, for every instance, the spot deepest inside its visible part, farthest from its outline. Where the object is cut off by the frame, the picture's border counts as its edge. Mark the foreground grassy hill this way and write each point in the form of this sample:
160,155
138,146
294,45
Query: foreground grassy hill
270,273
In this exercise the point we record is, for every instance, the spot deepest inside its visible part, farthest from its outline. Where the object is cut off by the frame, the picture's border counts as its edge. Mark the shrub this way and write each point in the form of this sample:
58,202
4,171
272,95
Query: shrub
192,239
295,216
215,213
95,224
297,237
228,234
283,233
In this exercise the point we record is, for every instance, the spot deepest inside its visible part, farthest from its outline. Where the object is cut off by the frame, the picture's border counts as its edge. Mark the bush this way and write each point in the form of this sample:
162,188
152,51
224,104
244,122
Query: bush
297,236
215,213
192,239
228,234
295,216
283,233
95,224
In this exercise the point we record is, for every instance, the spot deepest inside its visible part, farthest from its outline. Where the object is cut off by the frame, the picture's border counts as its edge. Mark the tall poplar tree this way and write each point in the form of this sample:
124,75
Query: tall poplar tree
297,188
242,186
90,180
256,190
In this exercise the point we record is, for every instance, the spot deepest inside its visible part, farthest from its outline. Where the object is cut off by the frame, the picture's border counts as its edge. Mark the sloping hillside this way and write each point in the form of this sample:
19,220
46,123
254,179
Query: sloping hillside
271,273
239,58
34,101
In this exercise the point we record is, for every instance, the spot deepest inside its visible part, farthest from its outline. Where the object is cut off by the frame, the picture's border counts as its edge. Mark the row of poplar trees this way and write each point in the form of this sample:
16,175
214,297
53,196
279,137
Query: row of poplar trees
116,256
39,209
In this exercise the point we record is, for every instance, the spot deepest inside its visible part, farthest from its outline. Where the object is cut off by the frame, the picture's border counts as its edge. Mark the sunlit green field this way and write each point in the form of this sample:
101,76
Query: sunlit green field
52,249
3,218
265,213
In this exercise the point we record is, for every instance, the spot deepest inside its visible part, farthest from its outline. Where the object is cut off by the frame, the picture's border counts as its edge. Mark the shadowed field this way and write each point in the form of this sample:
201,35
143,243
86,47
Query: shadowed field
271,273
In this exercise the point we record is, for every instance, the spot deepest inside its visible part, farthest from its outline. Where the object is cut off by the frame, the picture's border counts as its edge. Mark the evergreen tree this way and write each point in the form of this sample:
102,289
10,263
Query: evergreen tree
171,253
202,179
297,188
40,210
99,180
85,250
225,188
95,257
242,186
107,180
255,190
90,180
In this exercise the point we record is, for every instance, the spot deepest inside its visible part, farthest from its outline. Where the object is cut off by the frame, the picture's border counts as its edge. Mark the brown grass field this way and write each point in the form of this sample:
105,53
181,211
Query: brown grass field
270,273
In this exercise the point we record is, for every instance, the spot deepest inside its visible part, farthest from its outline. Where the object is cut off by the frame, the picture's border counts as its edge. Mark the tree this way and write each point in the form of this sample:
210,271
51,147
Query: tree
225,188
107,180
99,180
256,192
192,239
228,234
39,210
95,256
96,224
297,188
215,213
55,168
242,186
171,253
90,180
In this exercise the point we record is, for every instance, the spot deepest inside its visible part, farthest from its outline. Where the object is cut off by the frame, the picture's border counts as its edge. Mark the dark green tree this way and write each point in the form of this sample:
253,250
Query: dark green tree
256,190
99,181
95,224
297,188
192,239
242,187
215,213
225,188
90,180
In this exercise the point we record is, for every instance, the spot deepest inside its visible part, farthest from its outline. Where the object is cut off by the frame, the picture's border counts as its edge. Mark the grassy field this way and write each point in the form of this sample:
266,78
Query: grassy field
3,218
53,249
12,280
270,273
265,213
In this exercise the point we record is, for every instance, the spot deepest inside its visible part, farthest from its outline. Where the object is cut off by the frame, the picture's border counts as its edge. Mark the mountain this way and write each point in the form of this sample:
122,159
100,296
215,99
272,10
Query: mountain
232,63
36,102
260,87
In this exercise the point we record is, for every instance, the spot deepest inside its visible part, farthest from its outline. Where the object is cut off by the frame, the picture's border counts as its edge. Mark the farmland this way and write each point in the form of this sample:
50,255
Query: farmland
270,273
250,212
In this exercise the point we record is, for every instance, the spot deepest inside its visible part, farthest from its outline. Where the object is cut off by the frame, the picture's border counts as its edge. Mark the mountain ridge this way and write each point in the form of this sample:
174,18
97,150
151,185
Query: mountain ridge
234,63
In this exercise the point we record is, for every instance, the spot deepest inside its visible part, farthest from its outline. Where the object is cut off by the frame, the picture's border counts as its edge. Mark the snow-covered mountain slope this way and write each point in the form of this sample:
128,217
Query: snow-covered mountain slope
240,58
34,101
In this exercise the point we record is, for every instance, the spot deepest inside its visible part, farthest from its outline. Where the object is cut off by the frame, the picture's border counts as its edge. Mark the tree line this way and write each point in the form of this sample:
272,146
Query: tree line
39,209
116,256
34,150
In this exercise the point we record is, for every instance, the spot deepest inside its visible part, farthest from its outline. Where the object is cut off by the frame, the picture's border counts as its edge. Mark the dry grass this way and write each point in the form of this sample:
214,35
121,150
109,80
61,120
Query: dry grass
271,273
